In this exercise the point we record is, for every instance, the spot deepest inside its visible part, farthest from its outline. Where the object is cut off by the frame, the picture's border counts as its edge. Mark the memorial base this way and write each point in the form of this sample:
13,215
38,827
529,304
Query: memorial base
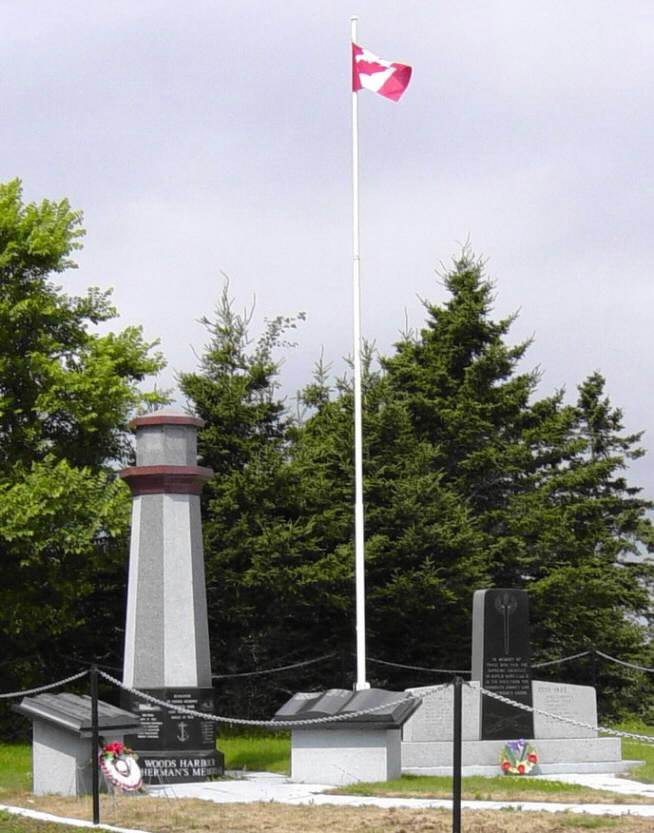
481,757
337,757
175,767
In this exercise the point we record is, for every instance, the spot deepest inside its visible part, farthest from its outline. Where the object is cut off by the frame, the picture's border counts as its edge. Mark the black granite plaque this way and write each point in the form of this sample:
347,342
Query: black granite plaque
175,747
390,708
501,661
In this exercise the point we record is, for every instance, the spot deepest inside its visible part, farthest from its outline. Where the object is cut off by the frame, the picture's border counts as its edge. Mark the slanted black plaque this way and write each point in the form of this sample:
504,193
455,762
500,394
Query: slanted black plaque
390,709
501,661
175,747
72,712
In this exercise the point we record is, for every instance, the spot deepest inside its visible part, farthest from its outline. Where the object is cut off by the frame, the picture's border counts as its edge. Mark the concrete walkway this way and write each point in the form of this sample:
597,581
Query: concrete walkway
244,787
269,787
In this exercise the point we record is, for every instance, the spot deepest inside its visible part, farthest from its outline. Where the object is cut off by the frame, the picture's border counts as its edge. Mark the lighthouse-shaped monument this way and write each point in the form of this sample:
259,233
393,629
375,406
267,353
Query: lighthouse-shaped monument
167,633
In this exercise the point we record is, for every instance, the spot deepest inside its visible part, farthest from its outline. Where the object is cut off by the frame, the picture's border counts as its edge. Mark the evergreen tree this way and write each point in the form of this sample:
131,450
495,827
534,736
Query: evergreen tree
585,535
470,481
260,611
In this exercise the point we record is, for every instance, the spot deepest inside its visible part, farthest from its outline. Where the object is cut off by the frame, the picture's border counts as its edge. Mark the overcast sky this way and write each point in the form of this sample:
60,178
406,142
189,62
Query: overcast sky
210,137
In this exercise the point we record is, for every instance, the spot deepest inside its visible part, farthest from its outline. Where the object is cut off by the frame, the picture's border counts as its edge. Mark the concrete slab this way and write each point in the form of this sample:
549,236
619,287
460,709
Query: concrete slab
552,770
270,787
616,784
555,754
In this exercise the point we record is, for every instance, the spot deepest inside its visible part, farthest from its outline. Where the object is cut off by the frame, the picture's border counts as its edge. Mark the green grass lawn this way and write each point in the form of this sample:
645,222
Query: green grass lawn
16,824
638,751
257,752
475,788
15,768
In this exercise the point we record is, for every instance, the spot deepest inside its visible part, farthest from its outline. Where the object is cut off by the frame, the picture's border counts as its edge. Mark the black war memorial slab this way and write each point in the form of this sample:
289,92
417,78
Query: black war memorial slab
174,747
501,661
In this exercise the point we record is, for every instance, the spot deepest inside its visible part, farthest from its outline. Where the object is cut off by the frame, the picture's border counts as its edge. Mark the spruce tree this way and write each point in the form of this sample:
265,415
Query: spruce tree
259,580
470,481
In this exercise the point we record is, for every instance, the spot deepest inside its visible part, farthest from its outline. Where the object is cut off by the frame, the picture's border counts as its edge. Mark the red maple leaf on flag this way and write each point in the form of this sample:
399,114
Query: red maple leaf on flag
370,67
388,78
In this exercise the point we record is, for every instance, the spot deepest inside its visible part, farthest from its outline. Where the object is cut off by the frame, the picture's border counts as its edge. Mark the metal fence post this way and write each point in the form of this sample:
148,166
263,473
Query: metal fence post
456,756
593,666
95,743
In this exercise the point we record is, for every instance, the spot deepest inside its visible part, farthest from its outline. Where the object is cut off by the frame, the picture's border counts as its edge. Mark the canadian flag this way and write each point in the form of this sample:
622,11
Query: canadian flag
387,78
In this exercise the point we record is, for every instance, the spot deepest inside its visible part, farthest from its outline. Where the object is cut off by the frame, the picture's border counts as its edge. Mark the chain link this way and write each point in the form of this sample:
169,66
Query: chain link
334,718
420,667
626,664
617,732
12,694
562,660
271,724
273,670
545,664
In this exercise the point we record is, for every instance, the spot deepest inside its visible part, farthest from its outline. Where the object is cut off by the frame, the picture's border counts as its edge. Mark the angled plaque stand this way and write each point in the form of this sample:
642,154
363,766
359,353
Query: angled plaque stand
365,747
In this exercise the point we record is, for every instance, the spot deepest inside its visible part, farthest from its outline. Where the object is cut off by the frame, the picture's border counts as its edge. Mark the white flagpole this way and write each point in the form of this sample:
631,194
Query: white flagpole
359,538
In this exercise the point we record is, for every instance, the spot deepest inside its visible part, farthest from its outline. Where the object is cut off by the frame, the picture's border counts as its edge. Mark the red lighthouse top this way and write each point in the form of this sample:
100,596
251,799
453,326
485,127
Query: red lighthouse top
166,455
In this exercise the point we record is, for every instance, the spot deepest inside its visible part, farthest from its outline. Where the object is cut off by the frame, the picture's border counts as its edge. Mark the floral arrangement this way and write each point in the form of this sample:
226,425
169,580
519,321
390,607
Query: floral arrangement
118,763
116,749
518,758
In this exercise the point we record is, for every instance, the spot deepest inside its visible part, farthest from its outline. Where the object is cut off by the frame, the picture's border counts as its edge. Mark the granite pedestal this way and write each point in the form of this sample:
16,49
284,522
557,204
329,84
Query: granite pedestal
562,747
346,755
362,748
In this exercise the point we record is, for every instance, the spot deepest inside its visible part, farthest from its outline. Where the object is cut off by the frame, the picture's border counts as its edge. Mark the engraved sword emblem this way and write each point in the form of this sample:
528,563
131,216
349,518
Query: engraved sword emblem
505,605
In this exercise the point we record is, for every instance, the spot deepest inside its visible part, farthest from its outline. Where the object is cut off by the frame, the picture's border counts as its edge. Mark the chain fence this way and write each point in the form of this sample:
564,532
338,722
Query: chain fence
561,660
325,657
571,720
419,667
273,724
276,670
317,721
624,663
13,694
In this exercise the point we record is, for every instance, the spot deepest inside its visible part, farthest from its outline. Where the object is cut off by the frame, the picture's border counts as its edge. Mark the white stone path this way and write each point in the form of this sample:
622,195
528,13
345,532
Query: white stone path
37,814
270,787
267,787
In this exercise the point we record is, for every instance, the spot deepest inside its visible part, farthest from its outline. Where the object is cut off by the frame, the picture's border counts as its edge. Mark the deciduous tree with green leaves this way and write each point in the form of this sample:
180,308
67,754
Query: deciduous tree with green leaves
66,395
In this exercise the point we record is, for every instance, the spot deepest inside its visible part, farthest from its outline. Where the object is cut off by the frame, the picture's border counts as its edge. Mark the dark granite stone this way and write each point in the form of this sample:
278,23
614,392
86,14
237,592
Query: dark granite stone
395,707
175,747
73,712
501,661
